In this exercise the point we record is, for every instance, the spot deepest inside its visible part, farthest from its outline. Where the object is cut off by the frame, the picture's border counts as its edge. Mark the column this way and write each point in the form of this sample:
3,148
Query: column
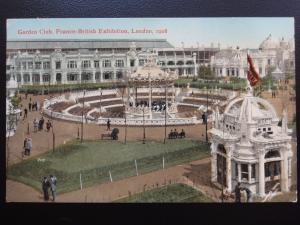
150,97
284,173
22,78
101,78
223,72
93,76
228,169
249,173
214,167
30,75
41,78
184,72
239,172
261,168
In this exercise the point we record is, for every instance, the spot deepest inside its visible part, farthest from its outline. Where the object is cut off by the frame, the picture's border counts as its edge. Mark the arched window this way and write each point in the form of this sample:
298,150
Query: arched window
171,63
189,63
272,154
180,63
221,149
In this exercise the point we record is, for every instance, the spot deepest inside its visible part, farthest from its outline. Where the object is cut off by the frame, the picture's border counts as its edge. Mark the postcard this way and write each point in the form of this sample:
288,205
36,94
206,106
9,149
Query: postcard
151,110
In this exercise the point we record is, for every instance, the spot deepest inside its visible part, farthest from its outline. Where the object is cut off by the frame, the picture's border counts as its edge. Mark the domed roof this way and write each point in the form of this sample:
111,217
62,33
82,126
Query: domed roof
269,43
250,108
153,72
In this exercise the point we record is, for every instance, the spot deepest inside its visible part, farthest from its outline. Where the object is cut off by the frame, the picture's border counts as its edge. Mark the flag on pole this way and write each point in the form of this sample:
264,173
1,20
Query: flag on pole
252,75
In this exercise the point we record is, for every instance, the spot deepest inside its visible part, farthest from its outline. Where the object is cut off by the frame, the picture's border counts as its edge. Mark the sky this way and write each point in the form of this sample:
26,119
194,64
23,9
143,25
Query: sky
229,32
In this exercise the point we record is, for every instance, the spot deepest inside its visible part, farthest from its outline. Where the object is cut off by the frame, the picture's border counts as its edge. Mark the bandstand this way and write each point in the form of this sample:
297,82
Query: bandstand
151,92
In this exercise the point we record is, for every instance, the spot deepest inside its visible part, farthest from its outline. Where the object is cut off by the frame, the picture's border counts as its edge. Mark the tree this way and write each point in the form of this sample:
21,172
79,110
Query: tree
205,72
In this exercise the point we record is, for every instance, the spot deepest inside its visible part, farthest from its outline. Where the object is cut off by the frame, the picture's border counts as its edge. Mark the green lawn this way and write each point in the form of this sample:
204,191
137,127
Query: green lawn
94,159
171,193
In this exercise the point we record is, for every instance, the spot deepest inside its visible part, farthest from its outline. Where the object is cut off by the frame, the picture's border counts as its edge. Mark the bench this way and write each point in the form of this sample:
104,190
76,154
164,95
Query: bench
106,136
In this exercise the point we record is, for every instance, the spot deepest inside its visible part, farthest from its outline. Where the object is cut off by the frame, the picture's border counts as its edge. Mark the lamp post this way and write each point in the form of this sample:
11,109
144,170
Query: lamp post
82,117
206,115
165,113
100,91
144,131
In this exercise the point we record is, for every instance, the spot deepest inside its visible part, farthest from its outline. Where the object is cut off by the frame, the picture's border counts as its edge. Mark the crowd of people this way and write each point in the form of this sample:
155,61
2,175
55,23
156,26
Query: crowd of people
174,134
49,183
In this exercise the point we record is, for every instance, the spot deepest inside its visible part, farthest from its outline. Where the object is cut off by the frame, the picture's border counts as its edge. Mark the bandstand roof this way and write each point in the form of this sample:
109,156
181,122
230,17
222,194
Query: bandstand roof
152,73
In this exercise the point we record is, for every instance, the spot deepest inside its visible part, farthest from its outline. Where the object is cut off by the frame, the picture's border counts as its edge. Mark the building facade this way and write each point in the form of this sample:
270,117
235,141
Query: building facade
249,146
271,54
76,61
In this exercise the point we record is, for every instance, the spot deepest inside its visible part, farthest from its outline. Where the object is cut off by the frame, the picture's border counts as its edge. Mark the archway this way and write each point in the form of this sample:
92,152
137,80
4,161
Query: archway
272,169
58,78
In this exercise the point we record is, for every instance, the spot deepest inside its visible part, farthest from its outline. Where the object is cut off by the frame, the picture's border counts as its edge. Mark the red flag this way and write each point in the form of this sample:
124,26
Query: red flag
252,75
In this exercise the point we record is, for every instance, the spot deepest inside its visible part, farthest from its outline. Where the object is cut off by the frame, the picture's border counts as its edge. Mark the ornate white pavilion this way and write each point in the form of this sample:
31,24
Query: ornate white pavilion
250,146
148,84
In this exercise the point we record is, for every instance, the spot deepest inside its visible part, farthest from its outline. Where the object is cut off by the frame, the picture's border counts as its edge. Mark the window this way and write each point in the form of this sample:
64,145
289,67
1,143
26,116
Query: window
119,63
269,62
46,65
132,62
18,77
46,78
86,64
244,171
30,65
58,65
96,64
269,128
24,65
72,64
264,129
141,62
260,70
236,171
272,154
253,172
37,65
106,63
72,76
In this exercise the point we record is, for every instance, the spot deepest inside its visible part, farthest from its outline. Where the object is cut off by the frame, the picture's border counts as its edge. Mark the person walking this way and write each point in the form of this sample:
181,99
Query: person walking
237,191
42,123
27,146
29,106
108,124
48,125
35,125
45,187
37,105
53,182
25,113
24,147
249,194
